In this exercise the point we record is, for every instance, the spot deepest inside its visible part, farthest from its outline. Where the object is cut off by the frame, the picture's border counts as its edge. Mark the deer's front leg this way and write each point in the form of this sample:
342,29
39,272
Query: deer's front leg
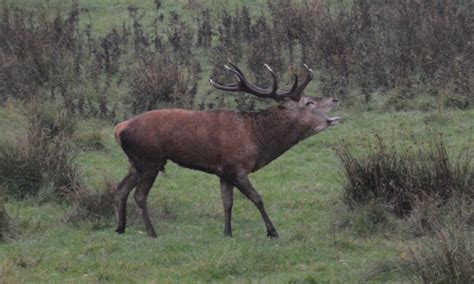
243,184
227,193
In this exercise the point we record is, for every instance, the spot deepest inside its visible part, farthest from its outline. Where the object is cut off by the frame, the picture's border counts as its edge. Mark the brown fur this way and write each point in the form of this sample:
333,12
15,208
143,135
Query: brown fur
225,143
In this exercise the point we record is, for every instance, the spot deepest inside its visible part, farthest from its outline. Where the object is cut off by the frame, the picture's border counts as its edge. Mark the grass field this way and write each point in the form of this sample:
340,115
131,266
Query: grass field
104,15
302,190
302,193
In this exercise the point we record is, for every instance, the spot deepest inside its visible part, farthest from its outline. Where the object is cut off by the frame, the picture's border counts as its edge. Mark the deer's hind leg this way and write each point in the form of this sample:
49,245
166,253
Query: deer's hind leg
123,190
147,178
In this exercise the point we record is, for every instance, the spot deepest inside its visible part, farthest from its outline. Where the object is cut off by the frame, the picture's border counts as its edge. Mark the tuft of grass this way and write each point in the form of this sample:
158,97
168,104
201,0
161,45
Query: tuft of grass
43,156
20,169
49,119
94,140
158,82
399,179
446,258
7,227
92,206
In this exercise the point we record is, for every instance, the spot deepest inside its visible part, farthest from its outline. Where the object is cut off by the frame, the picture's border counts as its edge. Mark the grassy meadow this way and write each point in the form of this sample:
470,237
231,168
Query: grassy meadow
95,72
105,15
302,191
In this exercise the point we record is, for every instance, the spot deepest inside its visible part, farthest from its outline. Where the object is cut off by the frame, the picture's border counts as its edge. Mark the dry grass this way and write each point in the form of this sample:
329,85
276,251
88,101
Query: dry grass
42,157
400,179
446,258
93,206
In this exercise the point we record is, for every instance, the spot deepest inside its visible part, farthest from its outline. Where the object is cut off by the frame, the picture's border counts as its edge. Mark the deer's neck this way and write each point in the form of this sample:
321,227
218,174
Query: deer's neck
275,133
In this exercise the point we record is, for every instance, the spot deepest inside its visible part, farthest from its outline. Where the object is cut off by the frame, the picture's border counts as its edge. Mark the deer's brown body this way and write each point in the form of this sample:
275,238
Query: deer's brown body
225,143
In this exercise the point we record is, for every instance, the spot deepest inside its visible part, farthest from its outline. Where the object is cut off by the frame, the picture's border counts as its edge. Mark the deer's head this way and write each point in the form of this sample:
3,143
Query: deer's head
310,112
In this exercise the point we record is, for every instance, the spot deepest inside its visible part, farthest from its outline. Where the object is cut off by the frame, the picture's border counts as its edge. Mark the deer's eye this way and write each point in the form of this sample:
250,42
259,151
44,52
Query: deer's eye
309,103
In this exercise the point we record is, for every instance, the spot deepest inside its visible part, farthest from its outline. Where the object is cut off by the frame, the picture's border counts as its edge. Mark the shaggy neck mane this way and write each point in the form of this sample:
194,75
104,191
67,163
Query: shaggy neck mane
275,132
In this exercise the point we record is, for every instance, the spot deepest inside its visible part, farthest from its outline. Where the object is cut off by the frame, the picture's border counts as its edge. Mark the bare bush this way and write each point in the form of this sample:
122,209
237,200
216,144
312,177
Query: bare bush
409,48
7,228
40,51
43,156
92,206
204,34
411,190
446,258
158,82
419,46
20,169
399,179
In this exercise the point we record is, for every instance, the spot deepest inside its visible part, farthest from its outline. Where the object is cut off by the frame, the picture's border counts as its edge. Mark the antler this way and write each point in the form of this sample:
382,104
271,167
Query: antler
242,85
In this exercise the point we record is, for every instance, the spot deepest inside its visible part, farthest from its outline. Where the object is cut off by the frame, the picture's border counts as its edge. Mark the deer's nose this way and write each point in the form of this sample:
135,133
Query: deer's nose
335,100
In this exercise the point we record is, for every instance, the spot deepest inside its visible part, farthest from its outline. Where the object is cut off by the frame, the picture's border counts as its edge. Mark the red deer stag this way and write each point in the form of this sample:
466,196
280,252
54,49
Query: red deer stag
228,144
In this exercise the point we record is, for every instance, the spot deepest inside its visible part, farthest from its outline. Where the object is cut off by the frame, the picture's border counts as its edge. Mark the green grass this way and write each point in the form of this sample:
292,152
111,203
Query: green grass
301,190
104,15
302,193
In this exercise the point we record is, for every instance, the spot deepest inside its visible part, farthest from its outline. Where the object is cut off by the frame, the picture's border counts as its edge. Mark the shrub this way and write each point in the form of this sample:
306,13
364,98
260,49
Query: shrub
406,192
50,120
20,169
417,192
49,134
43,157
92,206
446,258
7,228
412,47
399,179
40,51
158,82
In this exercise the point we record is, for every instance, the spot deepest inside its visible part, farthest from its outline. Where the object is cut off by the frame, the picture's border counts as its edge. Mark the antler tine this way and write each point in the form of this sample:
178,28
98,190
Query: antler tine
243,85
250,88
231,87
235,67
290,92
310,71
309,77
238,75
275,82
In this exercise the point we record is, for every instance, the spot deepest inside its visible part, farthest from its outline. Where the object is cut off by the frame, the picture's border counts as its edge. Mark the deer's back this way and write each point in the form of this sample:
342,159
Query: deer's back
213,141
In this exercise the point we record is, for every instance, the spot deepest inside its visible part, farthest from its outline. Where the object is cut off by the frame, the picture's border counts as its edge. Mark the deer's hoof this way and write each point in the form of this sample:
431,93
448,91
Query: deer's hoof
272,235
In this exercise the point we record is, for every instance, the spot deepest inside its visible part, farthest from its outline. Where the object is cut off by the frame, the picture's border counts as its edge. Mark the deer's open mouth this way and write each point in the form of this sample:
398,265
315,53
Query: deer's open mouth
333,120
